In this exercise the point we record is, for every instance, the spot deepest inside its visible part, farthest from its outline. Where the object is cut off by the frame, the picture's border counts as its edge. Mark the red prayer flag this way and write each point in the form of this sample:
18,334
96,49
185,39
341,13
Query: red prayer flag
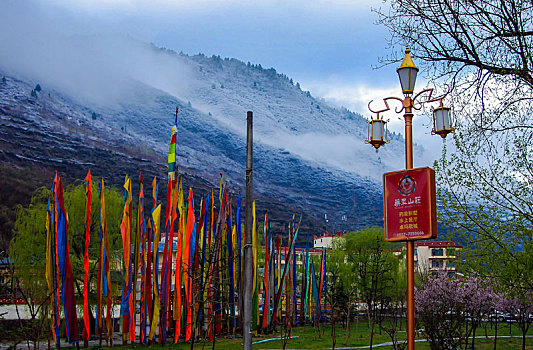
69,299
266,304
188,287
89,195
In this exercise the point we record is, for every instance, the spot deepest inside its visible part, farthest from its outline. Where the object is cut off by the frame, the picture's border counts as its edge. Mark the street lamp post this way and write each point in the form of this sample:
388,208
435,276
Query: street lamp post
407,73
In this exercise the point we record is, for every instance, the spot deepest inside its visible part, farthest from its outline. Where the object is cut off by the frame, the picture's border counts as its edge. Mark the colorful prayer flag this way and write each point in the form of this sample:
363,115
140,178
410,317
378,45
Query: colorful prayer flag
50,273
191,232
156,217
266,304
89,196
255,296
125,230
106,274
67,280
172,150
142,259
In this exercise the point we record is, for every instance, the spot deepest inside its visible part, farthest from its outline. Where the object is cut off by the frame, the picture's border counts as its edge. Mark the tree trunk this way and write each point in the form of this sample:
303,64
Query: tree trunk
495,332
349,333
333,334
524,328
49,333
370,323
372,334
356,320
473,335
401,314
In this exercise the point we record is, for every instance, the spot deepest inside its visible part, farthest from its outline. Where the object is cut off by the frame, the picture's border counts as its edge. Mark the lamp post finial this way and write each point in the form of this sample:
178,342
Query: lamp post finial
407,60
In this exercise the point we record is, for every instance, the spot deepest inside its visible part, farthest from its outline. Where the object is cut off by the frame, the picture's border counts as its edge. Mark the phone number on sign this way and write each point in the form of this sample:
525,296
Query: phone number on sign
417,233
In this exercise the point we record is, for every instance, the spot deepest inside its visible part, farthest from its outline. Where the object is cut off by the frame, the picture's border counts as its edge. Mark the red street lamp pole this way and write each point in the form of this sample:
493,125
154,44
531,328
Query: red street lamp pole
407,73
408,116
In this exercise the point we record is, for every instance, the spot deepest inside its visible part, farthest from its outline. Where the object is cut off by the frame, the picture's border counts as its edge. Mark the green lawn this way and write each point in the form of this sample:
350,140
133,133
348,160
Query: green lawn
309,339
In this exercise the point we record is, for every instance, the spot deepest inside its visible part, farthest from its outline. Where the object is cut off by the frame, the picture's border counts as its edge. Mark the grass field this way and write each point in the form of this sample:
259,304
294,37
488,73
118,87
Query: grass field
308,338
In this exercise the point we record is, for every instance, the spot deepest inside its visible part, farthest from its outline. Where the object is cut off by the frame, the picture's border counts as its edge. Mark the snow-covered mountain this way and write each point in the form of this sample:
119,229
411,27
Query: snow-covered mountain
117,99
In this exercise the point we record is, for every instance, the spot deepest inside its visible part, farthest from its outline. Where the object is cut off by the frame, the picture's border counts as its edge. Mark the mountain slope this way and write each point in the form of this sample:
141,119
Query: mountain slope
308,157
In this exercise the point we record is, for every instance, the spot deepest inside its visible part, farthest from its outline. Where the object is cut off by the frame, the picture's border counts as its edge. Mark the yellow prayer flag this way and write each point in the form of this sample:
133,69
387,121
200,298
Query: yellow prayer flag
156,217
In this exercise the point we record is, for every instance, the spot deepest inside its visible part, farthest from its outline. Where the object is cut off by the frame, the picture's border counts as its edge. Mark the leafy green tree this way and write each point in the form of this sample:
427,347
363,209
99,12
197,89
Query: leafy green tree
335,292
344,281
27,249
393,305
27,280
490,211
375,267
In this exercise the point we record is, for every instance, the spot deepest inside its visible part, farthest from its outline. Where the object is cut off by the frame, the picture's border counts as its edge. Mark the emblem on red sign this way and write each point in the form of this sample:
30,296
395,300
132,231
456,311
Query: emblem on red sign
409,204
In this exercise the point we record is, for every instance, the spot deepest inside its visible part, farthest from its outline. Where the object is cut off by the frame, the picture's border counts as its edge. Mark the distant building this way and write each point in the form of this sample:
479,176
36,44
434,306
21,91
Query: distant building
325,240
436,256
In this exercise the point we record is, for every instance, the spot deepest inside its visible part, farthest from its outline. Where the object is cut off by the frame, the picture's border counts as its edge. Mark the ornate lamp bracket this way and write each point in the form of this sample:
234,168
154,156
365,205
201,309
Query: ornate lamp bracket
387,107
428,94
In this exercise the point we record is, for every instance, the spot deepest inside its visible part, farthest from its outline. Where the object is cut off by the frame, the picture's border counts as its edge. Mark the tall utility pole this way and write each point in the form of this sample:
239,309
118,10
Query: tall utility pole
248,253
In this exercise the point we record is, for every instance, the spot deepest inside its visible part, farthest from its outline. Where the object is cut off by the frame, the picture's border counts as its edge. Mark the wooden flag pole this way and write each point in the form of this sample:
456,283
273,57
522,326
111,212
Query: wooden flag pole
248,255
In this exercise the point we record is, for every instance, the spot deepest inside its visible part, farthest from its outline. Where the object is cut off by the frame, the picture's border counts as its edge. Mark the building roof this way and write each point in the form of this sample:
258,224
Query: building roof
327,234
301,250
437,244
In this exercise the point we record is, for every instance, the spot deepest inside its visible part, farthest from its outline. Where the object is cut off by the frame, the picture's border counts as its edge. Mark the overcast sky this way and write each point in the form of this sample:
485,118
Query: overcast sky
329,46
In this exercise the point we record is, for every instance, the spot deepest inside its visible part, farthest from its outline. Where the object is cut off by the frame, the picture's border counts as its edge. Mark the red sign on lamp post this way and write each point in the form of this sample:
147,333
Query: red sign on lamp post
409,207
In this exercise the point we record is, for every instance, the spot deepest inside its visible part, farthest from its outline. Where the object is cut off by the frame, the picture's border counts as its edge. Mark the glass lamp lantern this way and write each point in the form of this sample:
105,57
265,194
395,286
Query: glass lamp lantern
407,73
377,132
442,122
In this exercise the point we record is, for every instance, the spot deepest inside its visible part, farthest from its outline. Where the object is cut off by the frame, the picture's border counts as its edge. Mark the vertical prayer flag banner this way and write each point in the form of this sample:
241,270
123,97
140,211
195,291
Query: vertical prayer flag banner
322,275
255,296
55,256
231,267
164,267
142,259
99,276
149,242
125,230
136,264
172,150
50,273
65,267
105,253
187,278
307,278
179,262
156,217
203,270
409,204
294,270
89,196
266,307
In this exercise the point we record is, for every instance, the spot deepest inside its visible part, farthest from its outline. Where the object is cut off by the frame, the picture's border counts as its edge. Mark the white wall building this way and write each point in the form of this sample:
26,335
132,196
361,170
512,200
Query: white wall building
326,239
436,256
